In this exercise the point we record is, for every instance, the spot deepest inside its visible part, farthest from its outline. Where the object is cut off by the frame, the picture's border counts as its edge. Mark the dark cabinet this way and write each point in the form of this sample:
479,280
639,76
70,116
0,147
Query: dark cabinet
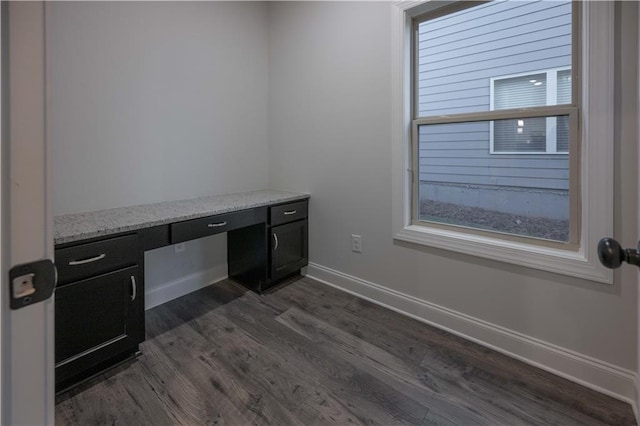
260,256
289,248
99,319
288,239
94,258
198,228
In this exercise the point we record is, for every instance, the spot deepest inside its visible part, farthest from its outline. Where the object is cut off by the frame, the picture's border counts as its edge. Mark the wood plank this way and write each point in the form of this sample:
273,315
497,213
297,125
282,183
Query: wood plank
219,367
494,374
455,358
187,390
392,370
323,408
124,398
369,400
399,338
184,309
308,294
477,396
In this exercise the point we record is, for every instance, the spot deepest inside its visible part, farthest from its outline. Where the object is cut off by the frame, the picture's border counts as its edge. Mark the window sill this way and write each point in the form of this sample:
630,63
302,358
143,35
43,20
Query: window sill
565,262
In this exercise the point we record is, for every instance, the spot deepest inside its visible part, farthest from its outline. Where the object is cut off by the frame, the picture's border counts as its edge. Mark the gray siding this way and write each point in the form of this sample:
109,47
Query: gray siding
458,55
459,153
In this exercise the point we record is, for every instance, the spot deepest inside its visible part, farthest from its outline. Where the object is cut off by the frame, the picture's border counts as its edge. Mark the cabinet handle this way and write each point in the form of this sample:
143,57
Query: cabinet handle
290,212
275,239
83,261
216,225
134,288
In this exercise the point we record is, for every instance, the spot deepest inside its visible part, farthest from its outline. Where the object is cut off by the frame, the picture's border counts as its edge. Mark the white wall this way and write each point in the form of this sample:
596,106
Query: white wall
157,101
330,124
181,88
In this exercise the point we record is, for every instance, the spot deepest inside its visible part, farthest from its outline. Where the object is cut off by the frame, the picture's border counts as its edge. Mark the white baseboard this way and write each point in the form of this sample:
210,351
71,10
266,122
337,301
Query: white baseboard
184,285
601,376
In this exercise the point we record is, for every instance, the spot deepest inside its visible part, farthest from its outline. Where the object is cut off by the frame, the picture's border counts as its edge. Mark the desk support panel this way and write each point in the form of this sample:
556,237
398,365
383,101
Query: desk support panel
247,256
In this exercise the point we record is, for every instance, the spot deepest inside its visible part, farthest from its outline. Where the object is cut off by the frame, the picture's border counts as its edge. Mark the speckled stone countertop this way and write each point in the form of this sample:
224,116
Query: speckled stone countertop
82,226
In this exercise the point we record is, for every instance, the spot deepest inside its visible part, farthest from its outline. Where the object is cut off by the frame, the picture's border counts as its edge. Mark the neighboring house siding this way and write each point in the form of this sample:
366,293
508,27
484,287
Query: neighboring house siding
462,156
457,60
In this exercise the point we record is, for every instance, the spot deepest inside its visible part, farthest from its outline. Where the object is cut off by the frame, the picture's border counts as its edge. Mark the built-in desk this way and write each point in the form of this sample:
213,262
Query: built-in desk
99,255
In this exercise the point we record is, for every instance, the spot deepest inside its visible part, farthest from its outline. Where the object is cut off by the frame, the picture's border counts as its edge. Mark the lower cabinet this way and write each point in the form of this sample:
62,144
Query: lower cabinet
262,255
289,248
99,320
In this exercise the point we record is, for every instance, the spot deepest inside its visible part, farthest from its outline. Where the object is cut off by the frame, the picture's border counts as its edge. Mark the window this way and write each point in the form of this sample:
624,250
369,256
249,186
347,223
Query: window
457,182
494,154
535,135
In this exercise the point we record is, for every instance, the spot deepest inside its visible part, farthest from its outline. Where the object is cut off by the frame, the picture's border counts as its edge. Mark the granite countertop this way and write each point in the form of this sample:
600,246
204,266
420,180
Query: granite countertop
81,226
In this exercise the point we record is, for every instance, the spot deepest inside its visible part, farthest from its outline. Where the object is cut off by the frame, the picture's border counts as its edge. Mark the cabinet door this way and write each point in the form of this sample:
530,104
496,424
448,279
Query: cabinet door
95,320
288,248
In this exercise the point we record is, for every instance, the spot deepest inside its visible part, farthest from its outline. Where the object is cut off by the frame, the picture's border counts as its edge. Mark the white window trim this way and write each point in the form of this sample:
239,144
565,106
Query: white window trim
551,100
596,164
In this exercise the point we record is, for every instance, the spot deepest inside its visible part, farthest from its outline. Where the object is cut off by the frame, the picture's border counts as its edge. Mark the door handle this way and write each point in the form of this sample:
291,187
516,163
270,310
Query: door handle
275,240
134,288
91,259
611,254
216,225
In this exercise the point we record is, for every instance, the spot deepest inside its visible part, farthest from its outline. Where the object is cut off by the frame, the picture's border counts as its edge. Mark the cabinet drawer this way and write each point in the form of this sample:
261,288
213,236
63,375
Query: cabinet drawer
210,225
288,213
91,259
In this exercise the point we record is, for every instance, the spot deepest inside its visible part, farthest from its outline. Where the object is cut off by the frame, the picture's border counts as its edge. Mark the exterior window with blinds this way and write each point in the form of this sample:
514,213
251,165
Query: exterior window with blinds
536,135
495,120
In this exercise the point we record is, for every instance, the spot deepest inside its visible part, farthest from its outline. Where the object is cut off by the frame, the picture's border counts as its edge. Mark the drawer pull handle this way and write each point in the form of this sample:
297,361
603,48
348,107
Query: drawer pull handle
134,288
83,261
290,212
216,225
275,239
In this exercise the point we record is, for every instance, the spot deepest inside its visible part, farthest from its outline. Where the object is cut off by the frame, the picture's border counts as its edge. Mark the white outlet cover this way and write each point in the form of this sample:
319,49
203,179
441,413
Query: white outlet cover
356,243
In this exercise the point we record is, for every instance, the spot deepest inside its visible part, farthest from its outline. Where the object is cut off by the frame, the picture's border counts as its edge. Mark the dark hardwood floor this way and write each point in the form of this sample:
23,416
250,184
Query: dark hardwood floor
309,354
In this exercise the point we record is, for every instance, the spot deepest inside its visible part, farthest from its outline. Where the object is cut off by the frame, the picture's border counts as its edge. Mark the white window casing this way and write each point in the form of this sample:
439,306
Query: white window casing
594,169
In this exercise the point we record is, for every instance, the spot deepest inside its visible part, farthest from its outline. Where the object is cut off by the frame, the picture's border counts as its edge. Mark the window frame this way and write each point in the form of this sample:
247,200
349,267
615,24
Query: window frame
592,169
551,126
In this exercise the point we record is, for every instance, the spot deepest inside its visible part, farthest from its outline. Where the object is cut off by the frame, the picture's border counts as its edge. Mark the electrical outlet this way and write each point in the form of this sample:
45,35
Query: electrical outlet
356,243
180,247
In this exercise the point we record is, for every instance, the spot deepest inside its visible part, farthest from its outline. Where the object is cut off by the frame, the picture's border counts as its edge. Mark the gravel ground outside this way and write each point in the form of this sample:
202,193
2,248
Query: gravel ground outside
475,217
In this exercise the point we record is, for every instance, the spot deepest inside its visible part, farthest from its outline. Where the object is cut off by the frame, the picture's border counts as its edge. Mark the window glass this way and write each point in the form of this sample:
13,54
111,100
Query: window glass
520,92
564,86
562,134
458,54
515,194
520,135
508,175
564,97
